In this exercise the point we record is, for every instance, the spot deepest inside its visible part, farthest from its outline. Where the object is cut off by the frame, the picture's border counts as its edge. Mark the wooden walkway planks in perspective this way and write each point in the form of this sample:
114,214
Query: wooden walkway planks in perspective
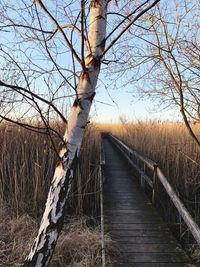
142,237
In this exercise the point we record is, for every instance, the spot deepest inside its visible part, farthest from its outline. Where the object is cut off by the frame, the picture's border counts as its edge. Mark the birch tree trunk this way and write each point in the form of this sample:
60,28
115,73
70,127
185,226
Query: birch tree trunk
52,221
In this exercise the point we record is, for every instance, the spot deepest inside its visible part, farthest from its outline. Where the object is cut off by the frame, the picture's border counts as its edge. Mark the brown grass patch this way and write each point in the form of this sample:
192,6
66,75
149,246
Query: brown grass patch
27,163
79,245
16,236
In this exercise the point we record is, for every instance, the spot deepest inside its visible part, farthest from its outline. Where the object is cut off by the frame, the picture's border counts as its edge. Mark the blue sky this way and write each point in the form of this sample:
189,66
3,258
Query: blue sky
125,104
128,107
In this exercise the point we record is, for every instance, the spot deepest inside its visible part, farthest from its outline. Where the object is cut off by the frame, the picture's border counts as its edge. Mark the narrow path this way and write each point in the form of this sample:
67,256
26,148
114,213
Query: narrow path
141,236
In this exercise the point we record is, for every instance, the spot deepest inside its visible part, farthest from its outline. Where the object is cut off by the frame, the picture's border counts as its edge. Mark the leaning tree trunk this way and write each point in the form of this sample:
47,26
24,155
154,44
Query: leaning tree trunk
52,221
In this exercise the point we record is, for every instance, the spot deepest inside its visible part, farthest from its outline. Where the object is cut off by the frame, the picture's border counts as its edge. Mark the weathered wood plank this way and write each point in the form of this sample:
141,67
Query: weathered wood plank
151,248
135,212
132,219
149,264
136,226
155,257
142,233
144,240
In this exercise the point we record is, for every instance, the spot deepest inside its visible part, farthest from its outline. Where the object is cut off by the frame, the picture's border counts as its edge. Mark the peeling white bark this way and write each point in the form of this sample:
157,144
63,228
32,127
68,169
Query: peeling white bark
52,220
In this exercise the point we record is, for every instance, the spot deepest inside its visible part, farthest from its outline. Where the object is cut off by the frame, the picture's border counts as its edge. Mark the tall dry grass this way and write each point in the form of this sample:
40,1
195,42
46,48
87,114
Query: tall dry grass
27,162
26,165
85,196
79,245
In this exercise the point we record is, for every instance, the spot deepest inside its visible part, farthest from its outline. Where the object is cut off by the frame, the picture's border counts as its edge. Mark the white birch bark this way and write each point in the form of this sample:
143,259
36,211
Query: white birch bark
52,221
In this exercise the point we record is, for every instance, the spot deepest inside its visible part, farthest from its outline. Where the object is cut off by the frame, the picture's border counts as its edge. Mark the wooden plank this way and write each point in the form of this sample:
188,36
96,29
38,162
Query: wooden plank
149,248
136,226
155,257
133,219
142,233
125,212
134,204
144,240
149,264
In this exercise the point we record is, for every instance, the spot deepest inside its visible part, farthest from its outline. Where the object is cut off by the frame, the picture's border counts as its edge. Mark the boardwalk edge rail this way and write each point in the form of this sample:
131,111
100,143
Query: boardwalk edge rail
131,154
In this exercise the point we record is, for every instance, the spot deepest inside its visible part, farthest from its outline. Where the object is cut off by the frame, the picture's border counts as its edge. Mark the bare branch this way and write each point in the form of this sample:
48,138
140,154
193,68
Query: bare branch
19,88
129,25
60,29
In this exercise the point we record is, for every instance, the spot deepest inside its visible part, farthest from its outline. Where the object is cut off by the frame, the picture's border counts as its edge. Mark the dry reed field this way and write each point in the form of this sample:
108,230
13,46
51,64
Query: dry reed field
79,244
27,161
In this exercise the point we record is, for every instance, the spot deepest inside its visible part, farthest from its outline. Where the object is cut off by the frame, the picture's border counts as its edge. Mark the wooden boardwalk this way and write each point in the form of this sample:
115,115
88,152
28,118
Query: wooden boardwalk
141,236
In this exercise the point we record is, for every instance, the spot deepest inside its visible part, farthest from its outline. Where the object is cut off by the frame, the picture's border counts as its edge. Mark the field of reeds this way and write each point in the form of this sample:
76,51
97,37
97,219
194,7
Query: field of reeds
27,161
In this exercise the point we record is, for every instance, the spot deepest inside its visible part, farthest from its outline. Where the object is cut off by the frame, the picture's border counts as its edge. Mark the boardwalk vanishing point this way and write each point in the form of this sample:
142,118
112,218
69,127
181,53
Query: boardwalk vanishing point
142,237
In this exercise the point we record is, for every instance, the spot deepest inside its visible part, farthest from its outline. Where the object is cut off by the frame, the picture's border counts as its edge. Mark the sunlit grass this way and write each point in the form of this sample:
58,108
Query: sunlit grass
27,162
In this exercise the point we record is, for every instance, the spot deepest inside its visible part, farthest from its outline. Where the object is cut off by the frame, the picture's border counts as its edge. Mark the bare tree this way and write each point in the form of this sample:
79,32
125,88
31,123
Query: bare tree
73,50
180,81
169,59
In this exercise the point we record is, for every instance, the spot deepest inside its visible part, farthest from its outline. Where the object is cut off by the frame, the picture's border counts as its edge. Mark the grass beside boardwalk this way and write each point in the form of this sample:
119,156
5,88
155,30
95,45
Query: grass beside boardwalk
26,167
27,162
79,244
